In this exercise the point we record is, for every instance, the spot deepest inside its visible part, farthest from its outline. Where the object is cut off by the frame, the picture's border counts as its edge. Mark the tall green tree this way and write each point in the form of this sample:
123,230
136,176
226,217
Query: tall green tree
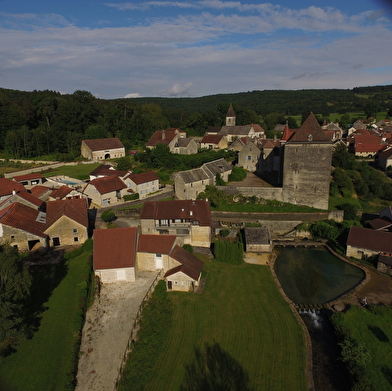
15,283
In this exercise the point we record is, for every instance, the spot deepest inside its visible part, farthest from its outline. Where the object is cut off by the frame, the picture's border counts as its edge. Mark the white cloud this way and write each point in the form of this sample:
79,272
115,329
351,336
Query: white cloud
133,95
180,89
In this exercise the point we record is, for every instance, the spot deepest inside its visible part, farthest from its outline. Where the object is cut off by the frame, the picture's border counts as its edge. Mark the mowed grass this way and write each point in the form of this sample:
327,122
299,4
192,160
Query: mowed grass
48,360
242,310
73,171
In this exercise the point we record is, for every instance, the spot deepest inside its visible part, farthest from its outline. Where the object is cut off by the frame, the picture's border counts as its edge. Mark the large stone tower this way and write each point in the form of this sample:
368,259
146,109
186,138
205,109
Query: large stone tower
230,116
307,166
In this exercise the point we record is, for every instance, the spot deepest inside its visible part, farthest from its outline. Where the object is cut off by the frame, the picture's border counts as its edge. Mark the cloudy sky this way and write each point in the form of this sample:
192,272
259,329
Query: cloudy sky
193,48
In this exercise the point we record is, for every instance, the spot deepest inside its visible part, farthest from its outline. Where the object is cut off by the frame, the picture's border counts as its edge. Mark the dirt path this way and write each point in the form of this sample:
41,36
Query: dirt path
106,331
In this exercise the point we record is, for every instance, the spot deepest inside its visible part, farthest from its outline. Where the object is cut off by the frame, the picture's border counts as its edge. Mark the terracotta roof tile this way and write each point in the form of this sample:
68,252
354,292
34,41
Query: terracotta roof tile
100,144
75,209
212,139
7,186
158,244
61,192
190,264
162,137
24,218
27,177
107,184
370,239
309,131
143,177
40,190
114,248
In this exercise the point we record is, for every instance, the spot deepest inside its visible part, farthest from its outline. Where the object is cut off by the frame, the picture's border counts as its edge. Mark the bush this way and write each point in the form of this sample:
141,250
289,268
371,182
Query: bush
350,211
188,247
131,197
229,252
237,174
108,215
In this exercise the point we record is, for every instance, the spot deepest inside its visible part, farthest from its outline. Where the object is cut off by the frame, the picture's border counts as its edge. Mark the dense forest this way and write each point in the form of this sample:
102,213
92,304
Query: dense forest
40,123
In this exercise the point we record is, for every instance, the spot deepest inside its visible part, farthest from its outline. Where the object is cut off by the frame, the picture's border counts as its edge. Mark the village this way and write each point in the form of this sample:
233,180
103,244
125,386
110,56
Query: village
38,213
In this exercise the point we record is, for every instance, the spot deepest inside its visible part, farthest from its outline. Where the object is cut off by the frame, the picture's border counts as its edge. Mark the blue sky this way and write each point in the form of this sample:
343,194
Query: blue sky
193,48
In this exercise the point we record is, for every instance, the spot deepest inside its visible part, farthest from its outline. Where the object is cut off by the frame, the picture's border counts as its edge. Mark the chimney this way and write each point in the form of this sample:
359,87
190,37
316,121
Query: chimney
13,192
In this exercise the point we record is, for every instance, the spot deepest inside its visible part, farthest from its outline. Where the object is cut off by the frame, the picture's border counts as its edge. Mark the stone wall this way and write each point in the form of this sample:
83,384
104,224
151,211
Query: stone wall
68,231
113,275
19,238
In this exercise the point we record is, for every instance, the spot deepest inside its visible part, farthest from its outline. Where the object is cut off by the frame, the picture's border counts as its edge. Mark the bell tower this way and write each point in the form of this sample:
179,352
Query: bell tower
230,116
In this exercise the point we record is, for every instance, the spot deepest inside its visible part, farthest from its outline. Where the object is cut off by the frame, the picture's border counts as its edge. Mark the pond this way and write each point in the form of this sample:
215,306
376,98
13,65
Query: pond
314,275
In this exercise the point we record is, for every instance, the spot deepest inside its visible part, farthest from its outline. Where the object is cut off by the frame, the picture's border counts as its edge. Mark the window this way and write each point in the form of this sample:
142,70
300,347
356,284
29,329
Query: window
75,230
249,157
76,239
164,222
12,236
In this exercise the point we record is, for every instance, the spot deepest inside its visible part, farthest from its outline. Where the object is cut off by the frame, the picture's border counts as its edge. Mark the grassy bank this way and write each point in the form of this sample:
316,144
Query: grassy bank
48,361
242,314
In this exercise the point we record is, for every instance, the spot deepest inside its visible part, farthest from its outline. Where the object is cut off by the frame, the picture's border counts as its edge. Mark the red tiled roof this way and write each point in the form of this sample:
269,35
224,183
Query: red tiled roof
143,177
107,184
162,137
106,170
309,131
75,209
380,223
39,190
212,139
27,177
387,153
100,144
24,218
61,192
190,264
370,239
158,244
7,186
367,143
198,210
30,198
114,248
287,133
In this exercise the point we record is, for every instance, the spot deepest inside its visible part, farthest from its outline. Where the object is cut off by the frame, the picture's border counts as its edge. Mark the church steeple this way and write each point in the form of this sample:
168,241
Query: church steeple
230,116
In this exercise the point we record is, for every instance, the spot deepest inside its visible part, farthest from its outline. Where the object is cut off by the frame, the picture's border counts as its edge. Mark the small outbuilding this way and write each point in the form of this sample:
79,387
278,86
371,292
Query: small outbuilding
102,148
257,240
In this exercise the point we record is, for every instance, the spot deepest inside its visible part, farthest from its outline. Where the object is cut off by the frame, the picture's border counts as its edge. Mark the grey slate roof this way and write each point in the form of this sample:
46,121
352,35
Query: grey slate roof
255,235
194,175
235,130
217,166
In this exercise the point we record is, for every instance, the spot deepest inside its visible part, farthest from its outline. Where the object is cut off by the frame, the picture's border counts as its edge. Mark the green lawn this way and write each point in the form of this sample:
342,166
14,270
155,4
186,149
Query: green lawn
242,310
72,171
48,360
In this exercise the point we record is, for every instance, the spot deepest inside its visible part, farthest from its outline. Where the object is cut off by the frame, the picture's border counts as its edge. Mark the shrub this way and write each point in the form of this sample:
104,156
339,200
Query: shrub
188,247
229,252
131,197
237,174
108,215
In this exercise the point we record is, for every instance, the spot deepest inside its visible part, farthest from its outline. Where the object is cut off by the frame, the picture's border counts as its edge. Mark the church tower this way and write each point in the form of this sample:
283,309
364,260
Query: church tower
230,116
307,166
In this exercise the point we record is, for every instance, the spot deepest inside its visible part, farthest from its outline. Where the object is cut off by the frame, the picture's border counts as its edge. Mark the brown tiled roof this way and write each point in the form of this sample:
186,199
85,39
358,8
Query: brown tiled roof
371,143
27,177
387,153
143,177
61,192
287,132
370,239
107,170
212,139
230,111
30,198
75,209
198,210
162,137
24,218
257,128
114,248
39,190
190,264
385,259
309,131
101,144
8,185
156,244
380,223
107,184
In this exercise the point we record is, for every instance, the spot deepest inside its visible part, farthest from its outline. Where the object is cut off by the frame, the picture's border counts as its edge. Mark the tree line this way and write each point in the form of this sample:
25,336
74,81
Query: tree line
46,122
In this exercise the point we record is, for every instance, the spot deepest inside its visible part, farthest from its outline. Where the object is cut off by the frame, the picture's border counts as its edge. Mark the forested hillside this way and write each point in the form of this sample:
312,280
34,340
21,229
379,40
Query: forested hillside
46,122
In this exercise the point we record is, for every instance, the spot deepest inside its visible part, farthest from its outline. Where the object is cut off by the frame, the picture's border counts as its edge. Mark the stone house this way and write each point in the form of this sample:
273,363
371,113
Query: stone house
168,137
29,180
189,220
114,254
66,222
23,227
9,187
189,184
105,170
257,240
25,198
249,155
186,276
234,132
238,144
368,146
385,159
144,183
105,191
41,192
186,146
364,242
214,141
384,264
102,148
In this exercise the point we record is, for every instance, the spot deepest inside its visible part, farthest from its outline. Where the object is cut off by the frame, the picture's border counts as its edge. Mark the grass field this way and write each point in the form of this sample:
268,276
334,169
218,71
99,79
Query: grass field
242,310
73,171
48,360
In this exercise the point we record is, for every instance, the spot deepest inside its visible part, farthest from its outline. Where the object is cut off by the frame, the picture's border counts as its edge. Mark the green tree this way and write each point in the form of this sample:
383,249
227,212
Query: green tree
324,230
108,215
237,174
215,196
219,180
342,158
15,283
124,163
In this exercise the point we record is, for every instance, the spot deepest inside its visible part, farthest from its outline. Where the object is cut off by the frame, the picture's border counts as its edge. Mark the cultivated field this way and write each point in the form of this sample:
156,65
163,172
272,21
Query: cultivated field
242,310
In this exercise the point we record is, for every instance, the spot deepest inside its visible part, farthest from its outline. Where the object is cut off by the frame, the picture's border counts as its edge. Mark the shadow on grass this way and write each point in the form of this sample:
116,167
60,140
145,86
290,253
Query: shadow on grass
213,369
47,273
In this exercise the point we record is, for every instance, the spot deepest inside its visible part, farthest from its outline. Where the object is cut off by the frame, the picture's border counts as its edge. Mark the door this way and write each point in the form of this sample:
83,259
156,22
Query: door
158,261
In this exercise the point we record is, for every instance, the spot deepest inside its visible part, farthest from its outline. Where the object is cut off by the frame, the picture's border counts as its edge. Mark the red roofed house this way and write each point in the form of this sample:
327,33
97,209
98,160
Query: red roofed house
9,187
66,222
29,179
368,146
102,148
188,219
25,198
144,183
114,256
65,192
105,191
22,227
168,136
214,141
106,170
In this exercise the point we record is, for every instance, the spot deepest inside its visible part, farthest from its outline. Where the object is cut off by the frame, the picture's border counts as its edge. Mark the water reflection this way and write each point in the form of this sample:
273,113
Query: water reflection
314,275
